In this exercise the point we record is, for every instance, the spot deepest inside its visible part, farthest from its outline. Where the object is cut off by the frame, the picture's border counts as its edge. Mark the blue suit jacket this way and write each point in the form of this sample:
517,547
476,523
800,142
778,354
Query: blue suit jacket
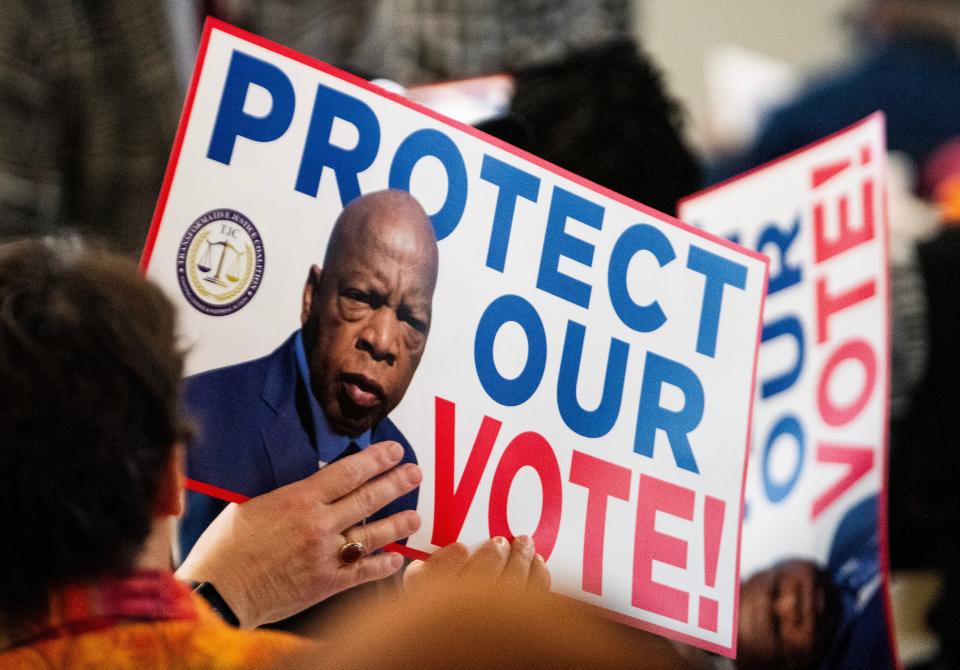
863,638
254,435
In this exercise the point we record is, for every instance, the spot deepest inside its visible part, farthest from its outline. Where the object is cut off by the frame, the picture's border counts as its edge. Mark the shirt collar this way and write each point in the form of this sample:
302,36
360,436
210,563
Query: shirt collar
146,595
328,445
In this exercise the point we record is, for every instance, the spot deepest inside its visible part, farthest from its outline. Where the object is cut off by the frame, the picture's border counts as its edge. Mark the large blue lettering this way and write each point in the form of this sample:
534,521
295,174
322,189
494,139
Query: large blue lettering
319,153
516,391
597,422
677,424
788,275
784,326
778,490
558,242
232,122
719,272
513,183
641,237
430,142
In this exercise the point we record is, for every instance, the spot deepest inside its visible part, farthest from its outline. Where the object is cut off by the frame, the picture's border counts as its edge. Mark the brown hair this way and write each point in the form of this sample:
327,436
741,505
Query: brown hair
89,376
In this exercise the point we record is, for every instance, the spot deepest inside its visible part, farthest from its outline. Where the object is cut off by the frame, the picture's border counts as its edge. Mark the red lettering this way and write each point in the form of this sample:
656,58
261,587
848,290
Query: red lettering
452,503
602,480
859,461
847,237
713,509
821,175
528,449
839,415
828,305
650,545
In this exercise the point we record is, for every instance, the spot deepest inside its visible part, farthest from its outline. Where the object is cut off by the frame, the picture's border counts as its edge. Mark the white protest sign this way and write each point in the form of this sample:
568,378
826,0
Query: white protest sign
588,376
816,482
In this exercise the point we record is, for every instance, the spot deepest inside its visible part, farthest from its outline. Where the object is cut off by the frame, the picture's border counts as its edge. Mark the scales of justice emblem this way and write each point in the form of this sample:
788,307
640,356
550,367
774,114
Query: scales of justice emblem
220,262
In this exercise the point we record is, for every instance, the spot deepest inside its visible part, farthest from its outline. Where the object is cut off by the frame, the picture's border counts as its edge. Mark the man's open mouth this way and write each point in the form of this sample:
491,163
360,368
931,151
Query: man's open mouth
361,391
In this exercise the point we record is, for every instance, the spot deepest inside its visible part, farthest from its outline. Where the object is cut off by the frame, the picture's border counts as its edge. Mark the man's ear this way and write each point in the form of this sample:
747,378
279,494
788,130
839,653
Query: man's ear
310,288
170,490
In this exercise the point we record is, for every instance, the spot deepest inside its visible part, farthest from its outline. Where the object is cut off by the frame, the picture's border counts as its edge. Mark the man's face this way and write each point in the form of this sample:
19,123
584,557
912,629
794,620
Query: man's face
366,320
783,612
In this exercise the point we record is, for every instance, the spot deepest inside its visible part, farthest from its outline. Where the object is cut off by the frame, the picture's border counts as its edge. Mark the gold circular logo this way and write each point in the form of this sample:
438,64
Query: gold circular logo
220,262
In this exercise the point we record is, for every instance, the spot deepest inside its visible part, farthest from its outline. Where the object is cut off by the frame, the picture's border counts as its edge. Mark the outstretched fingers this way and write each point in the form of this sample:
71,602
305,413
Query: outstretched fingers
346,475
366,500
369,569
380,533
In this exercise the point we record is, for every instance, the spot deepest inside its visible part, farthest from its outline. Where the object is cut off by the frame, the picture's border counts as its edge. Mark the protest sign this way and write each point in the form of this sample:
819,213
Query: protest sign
589,369
816,488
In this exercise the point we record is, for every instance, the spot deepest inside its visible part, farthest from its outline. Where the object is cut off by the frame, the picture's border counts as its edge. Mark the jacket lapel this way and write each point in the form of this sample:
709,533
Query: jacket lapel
285,439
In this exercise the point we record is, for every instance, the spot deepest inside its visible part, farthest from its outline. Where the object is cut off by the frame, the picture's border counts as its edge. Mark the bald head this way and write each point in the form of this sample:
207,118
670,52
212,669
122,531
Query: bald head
391,220
366,314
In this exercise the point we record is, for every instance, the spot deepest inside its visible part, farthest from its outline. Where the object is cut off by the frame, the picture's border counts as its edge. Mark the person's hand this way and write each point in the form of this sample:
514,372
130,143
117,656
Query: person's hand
464,610
512,566
278,554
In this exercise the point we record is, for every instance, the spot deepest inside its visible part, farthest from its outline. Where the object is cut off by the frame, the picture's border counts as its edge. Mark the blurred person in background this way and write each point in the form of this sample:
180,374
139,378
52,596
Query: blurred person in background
604,113
799,614
910,69
422,41
90,94
91,90
924,510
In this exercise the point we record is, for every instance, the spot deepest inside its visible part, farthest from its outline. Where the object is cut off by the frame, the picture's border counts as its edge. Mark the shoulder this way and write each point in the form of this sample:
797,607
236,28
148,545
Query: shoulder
227,385
221,647
224,647
224,401
230,375
866,642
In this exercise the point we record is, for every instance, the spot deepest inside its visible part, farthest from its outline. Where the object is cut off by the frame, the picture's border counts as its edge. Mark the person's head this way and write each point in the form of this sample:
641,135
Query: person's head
788,616
366,314
89,419
889,19
604,114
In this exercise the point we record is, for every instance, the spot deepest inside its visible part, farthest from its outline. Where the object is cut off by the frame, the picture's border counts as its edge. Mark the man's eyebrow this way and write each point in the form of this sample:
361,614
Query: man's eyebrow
417,306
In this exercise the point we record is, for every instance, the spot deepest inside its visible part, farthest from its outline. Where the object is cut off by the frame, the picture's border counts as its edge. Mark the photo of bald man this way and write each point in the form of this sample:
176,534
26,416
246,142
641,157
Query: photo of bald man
326,392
